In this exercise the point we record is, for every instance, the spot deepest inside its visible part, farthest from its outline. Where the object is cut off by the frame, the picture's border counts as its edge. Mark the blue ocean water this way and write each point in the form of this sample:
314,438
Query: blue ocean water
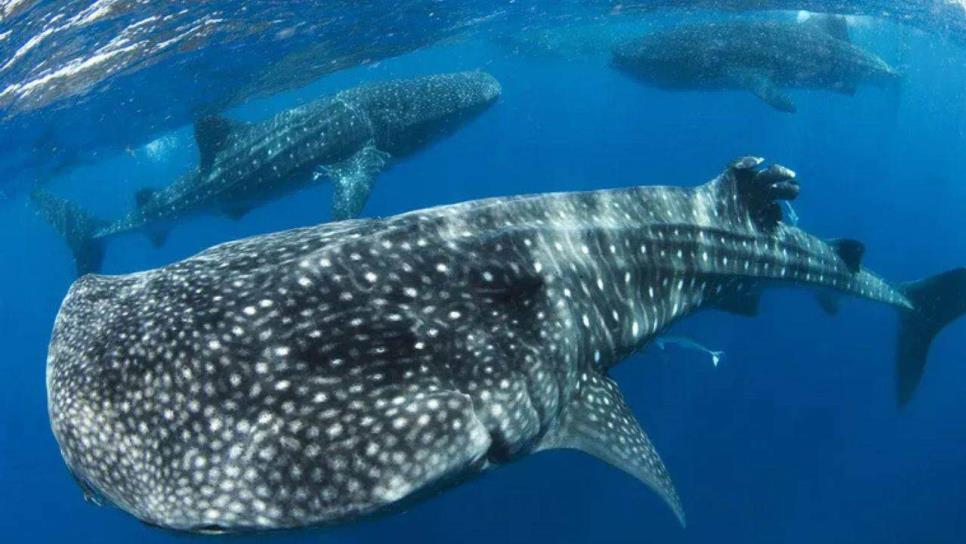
795,437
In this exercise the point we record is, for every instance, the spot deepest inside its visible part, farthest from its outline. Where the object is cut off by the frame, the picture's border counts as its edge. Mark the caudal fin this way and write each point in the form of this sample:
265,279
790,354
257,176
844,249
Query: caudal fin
937,301
76,225
716,357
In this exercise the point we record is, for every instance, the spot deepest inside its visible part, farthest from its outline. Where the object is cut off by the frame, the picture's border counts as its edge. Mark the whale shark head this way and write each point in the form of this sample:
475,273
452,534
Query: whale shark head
407,114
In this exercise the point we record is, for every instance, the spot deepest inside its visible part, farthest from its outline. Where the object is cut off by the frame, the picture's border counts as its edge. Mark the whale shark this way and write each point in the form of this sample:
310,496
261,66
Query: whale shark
763,57
49,117
348,138
318,375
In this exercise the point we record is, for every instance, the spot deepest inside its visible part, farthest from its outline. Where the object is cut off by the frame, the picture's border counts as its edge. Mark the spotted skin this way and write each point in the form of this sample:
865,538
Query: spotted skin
348,138
764,57
274,157
321,374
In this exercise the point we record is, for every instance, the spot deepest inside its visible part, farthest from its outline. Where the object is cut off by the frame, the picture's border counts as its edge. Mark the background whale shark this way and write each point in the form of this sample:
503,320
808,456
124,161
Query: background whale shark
348,138
66,62
320,374
763,57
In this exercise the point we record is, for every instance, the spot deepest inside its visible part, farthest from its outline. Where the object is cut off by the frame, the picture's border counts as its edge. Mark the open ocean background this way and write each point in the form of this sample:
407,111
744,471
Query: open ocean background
794,438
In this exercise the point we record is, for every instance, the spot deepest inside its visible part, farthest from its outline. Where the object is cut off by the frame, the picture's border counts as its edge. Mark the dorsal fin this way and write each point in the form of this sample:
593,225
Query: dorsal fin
212,133
236,211
828,301
143,196
743,304
850,251
833,25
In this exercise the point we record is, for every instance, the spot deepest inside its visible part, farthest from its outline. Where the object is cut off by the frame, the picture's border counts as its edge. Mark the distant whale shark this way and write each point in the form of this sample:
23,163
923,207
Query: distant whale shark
349,137
763,57
56,138
321,374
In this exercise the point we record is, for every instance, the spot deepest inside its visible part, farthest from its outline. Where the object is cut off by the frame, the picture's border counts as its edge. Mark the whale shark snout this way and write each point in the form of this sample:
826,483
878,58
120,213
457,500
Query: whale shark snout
475,88
425,109
490,88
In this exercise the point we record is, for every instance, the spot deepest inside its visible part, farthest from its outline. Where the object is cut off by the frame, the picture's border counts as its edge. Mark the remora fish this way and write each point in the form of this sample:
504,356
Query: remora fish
321,374
761,57
689,343
350,136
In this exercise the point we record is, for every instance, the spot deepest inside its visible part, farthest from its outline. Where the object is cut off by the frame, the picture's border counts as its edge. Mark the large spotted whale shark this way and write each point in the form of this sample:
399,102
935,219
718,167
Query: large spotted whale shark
349,138
763,57
321,374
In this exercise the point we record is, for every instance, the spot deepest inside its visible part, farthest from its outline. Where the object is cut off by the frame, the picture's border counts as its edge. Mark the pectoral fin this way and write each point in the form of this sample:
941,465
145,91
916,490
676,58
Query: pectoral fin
157,235
236,211
352,180
764,88
829,301
743,304
598,422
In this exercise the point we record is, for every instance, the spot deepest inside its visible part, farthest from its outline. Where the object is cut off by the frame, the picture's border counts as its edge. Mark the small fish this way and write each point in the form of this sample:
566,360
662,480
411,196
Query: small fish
790,213
689,343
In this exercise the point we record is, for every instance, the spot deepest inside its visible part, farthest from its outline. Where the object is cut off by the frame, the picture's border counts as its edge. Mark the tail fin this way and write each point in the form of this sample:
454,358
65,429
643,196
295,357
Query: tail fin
937,301
716,357
76,226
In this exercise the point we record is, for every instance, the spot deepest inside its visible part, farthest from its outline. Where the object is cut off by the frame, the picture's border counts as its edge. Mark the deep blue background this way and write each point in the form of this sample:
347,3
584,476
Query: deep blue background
794,438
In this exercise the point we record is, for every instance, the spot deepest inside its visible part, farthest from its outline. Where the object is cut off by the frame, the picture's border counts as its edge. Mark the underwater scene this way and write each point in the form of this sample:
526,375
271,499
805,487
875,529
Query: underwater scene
483,271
